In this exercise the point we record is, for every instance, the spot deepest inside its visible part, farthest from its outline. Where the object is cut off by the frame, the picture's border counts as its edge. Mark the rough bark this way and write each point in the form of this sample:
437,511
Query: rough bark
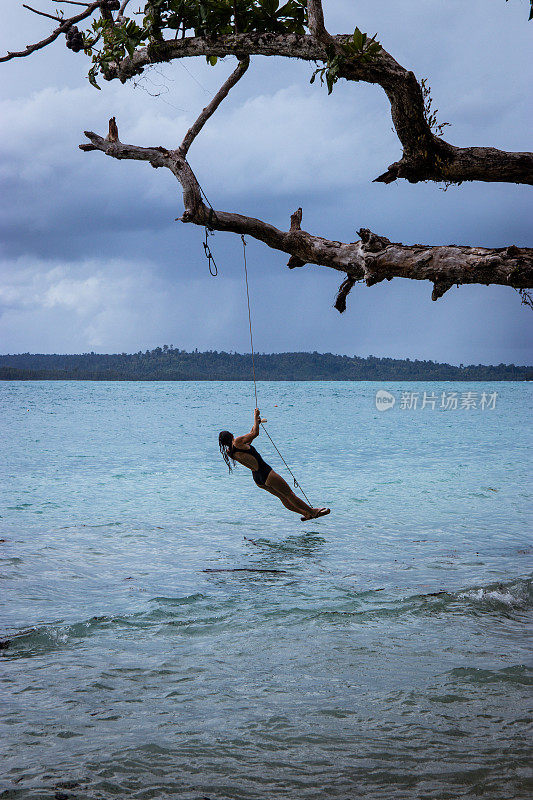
372,259
315,20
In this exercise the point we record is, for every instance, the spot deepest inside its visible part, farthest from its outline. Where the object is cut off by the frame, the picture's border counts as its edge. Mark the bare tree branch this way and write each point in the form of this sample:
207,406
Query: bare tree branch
42,13
296,220
121,10
210,109
372,259
63,28
344,290
112,135
315,20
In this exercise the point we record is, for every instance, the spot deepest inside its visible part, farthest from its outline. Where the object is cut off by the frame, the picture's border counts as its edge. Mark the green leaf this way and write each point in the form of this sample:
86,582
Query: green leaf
358,39
92,78
270,6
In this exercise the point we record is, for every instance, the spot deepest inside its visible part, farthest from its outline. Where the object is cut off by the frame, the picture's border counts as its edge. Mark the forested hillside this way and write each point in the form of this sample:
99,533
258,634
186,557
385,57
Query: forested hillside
171,364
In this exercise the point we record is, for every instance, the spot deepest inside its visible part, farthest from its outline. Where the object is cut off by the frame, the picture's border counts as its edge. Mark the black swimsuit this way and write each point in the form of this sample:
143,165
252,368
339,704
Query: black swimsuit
263,469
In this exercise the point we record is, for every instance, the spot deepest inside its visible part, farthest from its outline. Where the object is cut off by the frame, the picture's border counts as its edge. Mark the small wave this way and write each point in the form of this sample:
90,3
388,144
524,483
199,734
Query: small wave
506,600
178,601
54,635
48,637
488,595
86,525
11,560
45,638
516,594
517,674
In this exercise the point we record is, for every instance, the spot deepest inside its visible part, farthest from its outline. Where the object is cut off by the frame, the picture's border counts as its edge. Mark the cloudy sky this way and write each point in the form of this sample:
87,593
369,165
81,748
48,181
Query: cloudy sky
92,259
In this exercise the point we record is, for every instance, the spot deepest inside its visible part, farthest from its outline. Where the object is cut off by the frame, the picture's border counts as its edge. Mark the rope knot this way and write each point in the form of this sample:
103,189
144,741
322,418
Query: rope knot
213,269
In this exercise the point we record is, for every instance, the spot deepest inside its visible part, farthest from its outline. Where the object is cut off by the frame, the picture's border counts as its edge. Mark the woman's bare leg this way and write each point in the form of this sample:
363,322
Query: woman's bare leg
286,502
284,492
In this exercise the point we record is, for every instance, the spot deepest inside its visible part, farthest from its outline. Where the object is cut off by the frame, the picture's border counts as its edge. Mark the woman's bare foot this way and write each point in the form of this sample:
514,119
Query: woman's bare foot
317,512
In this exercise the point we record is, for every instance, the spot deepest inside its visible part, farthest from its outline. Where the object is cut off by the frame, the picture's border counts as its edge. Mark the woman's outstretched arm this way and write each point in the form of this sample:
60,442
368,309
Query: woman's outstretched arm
249,437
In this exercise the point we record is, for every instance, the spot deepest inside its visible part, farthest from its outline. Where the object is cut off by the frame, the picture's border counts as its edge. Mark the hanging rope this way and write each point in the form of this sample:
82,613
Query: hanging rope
249,315
213,269
296,484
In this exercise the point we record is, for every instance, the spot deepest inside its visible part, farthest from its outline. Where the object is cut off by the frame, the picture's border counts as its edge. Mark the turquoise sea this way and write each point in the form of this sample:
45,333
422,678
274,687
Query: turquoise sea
384,654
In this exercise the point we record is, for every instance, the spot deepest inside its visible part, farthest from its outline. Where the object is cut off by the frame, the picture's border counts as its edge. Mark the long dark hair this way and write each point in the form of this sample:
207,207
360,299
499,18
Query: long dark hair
225,441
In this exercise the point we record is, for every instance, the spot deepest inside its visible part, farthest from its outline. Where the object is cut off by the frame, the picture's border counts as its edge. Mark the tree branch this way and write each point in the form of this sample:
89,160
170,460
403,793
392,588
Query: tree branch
445,265
210,109
120,15
63,28
42,13
315,20
372,259
425,155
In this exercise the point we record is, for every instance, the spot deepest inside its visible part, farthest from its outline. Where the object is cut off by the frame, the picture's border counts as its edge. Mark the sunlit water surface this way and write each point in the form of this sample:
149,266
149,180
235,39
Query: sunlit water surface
385,657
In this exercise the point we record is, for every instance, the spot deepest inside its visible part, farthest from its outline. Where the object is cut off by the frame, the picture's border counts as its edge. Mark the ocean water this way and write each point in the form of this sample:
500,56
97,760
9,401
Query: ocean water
381,652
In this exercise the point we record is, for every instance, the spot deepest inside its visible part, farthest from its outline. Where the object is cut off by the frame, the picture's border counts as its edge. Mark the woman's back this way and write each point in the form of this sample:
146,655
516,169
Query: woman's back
247,456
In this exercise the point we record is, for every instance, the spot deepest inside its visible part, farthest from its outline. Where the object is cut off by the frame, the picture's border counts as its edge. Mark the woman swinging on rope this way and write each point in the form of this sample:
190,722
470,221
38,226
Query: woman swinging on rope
239,448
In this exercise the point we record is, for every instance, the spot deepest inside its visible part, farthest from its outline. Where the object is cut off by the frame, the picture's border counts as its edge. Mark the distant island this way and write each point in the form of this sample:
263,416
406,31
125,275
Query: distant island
168,363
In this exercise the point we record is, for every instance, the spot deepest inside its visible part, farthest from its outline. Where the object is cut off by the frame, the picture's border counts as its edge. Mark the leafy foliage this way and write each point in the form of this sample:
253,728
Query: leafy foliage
526,294
361,48
430,113
118,41
203,18
219,17
209,19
